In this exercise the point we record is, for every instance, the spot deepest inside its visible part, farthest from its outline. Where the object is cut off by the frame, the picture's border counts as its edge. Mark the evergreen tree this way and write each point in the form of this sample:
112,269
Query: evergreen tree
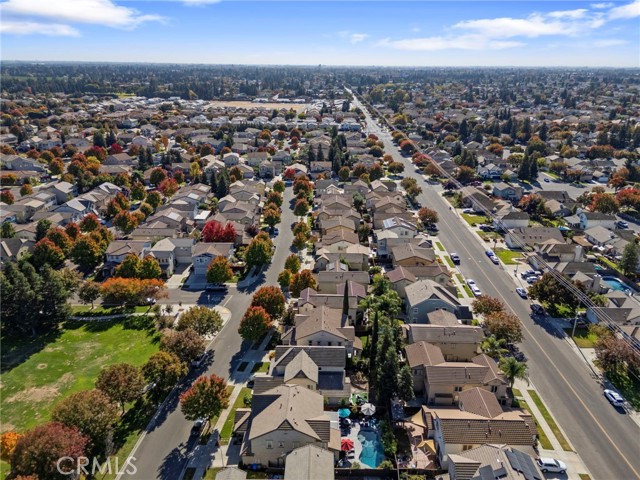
373,349
320,154
533,170
629,261
525,169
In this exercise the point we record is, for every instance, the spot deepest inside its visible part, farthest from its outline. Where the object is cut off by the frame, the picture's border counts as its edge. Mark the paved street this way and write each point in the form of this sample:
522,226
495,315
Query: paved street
606,440
162,452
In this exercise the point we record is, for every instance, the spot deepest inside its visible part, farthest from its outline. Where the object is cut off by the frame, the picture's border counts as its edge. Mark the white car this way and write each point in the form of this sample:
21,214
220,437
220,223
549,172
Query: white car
470,282
522,292
614,398
547,464
476,291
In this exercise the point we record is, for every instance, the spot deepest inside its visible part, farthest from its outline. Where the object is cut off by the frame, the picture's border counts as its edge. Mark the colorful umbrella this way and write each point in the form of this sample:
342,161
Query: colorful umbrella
368,409
346,445
344,412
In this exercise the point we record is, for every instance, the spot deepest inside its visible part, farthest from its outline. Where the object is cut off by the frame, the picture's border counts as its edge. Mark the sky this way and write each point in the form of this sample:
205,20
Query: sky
390,33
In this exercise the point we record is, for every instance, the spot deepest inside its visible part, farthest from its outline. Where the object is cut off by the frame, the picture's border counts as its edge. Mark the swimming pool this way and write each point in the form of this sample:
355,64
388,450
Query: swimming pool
616,284
372,452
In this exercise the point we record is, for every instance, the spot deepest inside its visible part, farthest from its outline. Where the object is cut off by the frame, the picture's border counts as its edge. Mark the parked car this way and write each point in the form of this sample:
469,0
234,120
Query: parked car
455,259
470,282
198,425
468,210
537,309
526,273
621,224
476,291
546,180
489,253
251,381
547,464
494,259
486,228
216,287
614,398
531,279
522,292
198,362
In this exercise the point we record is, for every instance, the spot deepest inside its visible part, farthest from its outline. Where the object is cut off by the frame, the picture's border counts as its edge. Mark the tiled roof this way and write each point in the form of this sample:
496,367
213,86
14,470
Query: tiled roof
301,366
321,355
423,353
463,334
479,401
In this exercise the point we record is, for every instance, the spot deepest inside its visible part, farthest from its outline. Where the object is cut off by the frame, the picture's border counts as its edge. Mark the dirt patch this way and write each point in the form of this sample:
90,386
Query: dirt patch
41,366
250,105
7,427
42,394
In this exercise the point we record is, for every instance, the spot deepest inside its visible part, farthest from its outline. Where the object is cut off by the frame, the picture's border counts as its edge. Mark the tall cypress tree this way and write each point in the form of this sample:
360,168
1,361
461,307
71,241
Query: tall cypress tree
533,170
373,350
525,170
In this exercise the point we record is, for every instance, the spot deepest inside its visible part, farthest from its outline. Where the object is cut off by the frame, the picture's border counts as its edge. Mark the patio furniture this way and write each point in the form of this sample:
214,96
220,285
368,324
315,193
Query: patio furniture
368,409
346,445
344,412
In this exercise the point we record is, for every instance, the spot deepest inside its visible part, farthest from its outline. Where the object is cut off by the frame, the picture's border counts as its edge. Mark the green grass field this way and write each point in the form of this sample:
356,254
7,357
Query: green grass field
439,246
508,257
449,261
227,428
87,311
69,364
583,338
473,220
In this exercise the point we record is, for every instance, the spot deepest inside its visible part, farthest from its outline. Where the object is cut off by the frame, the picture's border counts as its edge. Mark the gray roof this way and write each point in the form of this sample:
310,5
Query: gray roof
231,473
309,463
301,366
321,356
423,290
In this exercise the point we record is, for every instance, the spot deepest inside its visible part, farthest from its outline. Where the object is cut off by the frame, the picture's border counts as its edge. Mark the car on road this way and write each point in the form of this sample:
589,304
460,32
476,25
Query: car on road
522,292
467,210
526,273
614,398
198,425
494,259
546,180
198,362
622,225
470,282
537,309
476,291
216,287
489,253
455,259
547,464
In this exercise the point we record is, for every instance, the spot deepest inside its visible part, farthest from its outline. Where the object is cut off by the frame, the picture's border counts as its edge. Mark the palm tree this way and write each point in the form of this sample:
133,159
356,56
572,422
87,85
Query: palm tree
513,369
494,347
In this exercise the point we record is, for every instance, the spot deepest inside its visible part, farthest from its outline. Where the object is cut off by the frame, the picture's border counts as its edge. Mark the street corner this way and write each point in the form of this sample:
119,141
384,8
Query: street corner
224,312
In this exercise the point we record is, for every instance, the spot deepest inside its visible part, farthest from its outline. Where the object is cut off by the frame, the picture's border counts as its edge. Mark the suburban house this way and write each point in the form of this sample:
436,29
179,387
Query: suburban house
281,420
493,461
458,343
507,192
337,273
400,227
310,298
410,255
599,236
596,219
532,236
425,296
441,381
119,249
308,463
509,220
171,252
204,253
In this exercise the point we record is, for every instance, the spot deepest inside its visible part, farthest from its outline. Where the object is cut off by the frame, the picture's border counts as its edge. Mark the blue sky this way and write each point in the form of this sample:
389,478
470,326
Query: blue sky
421,33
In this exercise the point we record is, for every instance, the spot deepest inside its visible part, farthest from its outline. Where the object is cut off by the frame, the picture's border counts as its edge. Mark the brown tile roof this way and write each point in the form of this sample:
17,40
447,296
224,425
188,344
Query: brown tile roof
479,401
400,273
423,353
301,366
494,372
322,356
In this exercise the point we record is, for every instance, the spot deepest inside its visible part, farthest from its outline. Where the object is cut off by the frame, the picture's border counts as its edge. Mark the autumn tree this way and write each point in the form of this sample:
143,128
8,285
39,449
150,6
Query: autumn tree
138,191
465,174
92,412
271,215
125,222
72,229
411,187
275,198
254,324
89,223
203,320
292,263
214,231
164,369
158,175
486,305
604,203
258,252
427,216
271,299
89,292
206,398
219,271
7,197
121,382
186,344
154,199
395,167
26,189
168,187
8,442
299,241
302,228
39,451
300,281
45,252
301,208
504,325
615,355
129,291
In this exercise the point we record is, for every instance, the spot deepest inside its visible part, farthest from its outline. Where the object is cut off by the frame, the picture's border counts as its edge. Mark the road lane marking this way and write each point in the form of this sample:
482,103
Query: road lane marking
552,364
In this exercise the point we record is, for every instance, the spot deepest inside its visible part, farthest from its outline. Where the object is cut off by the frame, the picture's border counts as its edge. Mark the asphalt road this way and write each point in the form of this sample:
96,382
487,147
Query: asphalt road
607,441
163,451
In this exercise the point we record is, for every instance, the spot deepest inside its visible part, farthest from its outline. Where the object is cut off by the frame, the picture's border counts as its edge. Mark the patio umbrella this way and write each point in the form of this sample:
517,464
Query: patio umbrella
344,412
346,445
368,409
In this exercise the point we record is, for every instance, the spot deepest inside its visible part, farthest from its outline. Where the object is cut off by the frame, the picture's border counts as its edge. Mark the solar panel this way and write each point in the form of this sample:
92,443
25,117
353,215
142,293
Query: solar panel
521,462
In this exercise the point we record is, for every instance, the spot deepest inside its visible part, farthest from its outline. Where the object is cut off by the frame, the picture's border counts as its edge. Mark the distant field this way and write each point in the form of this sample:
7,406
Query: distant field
238,104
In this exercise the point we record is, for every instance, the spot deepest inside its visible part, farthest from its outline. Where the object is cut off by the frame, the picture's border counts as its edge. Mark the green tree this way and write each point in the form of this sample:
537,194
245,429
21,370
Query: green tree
254,324
284,279
486,305
279,186
7,230
165,370
86,252
272,216
513,369
121,382
504,325
301,208
629,261
258,253
150,268
203,320
45,252
300,242
42,227
206,398
553,294
219,271
187,345
344,174
89,292
130,267
405,384
300,281
494,347
292,263
154,199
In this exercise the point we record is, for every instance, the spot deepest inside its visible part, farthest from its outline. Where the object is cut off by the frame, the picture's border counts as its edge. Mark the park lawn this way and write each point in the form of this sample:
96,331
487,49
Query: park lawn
101,310
227,428
473,220
260,367
583,338
508,257
550,421
69,364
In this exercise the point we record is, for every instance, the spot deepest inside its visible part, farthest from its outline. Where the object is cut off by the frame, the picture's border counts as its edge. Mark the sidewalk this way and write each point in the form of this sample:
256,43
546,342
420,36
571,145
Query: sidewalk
575,465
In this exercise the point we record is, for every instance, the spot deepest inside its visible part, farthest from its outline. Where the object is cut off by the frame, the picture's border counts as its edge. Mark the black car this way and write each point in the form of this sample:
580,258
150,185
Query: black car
455,258
215,287
537,309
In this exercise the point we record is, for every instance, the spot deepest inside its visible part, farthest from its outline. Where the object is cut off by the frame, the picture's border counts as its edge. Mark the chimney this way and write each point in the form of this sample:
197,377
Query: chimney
595,284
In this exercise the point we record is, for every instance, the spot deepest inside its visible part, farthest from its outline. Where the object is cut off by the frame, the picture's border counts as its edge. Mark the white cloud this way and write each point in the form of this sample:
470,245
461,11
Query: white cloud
602,5
609,42
415,29
199,3
463,42
358,37
630,10
578,13
103,12
34,28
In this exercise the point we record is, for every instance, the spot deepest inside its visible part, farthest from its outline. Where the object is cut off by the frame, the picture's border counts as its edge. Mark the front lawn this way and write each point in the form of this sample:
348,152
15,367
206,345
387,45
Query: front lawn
260,367
629,388
69,364
473,220
449,261
227,429
508,257
542,437
583,338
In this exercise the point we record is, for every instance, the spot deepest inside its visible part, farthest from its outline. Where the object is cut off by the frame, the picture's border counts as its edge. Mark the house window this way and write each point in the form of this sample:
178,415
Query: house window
414,310
328,344
457,389
280,444
467,447
269,443
494,389
339,344
310,342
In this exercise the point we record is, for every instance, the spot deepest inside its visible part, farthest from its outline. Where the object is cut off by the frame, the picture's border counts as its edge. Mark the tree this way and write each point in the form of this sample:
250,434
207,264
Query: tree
154,199
493,346
302,280
271,215
427,216
411,187
258,253
254,324
279,186
165,370
7,230
203,320
129,291
300,241
72,229
26,189
56,166
39,451
376,172
405,384
553,294
60,239
121,382
301,208
629,261
274,198
45,252
42,227
292,263
604,203
344,174
284,279
206,398
149,268
302,228
157,176
125,222
89,223
7,197
168,187
513,369
615,356
89,292
271,299
486,305
92,412
138,191
219,271
86,252
504,325
395,167
8,442
214,231
130,267
186,344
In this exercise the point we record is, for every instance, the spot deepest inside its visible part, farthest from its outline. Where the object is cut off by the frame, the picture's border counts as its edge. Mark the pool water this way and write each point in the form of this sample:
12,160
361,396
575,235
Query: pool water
372,451
616,284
